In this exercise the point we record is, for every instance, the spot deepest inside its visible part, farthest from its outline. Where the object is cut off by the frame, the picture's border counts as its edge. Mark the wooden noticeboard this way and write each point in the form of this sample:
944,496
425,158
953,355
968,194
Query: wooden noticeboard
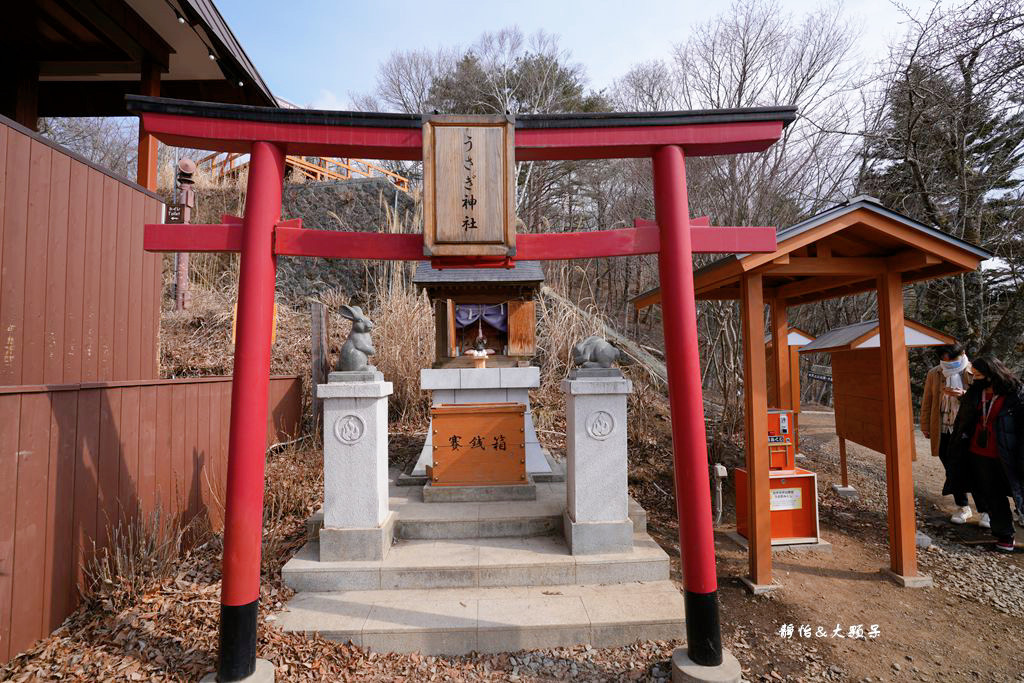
469,186
477,444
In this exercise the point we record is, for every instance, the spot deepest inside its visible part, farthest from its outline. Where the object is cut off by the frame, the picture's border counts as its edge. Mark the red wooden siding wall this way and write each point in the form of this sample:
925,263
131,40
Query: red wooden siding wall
75,459
79,298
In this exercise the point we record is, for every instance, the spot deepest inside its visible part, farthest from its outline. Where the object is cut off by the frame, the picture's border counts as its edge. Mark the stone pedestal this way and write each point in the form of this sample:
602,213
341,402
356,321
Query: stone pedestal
685,670
597,496
848,492
357,523
264,673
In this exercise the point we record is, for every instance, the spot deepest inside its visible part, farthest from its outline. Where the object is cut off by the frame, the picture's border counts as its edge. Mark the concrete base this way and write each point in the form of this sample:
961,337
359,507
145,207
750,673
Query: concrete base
847,492
684,670
478,494
919,581
339,545
557,473
821,546
264,673
371,375
591,373
591,538
759,588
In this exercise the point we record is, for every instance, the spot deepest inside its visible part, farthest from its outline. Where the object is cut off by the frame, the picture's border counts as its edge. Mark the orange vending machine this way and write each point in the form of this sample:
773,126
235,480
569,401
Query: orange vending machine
794,491
782,442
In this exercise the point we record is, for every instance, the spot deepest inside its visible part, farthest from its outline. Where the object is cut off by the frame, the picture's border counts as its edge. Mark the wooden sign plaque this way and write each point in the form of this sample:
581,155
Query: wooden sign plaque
469,186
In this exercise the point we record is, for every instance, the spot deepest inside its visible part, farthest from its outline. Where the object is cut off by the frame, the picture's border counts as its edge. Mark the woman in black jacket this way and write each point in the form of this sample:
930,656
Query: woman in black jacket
989,434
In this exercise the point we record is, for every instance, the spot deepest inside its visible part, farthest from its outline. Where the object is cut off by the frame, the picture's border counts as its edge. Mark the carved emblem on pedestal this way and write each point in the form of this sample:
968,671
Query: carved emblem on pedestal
349,429
600,424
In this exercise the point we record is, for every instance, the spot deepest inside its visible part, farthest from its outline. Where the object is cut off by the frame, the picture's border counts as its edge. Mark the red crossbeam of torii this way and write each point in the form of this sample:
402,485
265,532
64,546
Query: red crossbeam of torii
268,134
291,239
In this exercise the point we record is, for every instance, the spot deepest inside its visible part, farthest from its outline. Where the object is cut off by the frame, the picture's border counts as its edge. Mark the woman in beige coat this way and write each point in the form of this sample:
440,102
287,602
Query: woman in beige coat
943,387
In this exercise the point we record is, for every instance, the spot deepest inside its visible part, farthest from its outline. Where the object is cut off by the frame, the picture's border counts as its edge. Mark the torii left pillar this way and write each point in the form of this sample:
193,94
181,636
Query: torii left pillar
243,514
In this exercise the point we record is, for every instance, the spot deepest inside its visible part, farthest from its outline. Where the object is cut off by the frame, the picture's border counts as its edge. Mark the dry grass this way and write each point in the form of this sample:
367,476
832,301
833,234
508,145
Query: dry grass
142,552
559,328
403,336
293,491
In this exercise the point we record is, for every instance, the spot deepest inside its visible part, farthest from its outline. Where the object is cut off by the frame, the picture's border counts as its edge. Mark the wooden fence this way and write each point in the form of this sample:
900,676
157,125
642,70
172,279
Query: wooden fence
79,298
75,459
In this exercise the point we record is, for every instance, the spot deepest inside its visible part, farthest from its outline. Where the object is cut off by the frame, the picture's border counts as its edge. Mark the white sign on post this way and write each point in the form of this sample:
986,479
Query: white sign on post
786,499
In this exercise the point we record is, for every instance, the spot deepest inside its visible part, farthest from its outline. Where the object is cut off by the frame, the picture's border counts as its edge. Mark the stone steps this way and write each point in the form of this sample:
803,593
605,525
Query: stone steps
499,619
418,520
477,562
437,521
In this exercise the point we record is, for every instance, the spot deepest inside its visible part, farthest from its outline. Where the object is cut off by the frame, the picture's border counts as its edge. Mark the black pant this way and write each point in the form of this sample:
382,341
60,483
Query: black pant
959,486
991,485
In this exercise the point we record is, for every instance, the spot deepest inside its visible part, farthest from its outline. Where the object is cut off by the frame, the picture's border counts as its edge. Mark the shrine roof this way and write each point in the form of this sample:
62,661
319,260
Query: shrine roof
864,335
523,272
838,252
858,202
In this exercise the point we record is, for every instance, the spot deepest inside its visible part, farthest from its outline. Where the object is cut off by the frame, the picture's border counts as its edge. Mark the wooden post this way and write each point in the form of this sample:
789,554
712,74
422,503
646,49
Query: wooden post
318,355
441,346
453,350
780,355
755,397
149,85
899,439
794,378
26,92
842,461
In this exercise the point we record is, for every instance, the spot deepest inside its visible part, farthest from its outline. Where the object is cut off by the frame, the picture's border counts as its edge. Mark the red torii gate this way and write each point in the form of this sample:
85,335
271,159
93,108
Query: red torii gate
268,134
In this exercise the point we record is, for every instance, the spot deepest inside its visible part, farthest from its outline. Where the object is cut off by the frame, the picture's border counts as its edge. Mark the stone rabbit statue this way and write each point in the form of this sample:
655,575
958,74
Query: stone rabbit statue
357,349
594,352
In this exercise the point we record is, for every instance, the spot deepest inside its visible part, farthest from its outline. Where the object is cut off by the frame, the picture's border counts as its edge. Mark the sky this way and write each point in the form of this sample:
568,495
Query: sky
319,52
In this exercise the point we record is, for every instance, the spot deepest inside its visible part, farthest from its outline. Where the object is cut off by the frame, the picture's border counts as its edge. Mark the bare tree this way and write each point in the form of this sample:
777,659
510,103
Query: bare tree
110,142
647,86
948,149
406,77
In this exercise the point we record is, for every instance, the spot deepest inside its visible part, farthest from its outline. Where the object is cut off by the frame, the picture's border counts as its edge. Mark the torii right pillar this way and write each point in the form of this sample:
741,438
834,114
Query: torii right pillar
704,658
899,436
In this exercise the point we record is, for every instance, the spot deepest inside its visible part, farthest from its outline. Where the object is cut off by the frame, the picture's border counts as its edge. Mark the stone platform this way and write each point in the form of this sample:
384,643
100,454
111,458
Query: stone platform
489,577
459,621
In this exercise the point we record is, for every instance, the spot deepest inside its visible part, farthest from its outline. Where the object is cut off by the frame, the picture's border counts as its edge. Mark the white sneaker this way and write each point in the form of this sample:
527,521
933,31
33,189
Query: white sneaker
984,522
961,516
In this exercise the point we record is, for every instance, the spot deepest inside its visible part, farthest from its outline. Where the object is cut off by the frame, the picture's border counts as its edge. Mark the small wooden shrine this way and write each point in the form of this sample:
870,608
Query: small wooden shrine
495,303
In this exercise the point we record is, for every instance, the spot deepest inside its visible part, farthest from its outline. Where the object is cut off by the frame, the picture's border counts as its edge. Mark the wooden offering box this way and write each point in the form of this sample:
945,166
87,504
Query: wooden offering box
793,506
478,444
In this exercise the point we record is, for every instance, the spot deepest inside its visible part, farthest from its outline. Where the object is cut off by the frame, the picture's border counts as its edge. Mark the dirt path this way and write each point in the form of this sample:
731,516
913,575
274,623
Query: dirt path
965,628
